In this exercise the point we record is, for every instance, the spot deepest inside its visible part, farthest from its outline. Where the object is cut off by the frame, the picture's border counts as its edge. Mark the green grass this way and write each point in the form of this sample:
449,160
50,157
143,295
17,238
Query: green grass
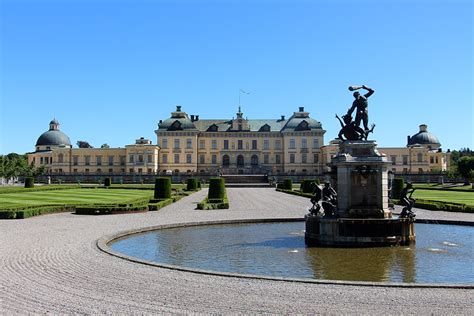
71,197
446,186
445,196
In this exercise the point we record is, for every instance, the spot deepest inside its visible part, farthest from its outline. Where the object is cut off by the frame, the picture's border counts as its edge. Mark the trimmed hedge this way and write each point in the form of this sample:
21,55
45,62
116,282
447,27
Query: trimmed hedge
287,184
397,186
216,189
29,182
192,184
107,182
210,204
25,212
299,193
162,188
307,185
442,206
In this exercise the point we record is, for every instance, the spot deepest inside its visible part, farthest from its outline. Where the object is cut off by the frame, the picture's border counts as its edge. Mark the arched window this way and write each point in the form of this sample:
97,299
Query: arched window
254,160
225,160
420,157
60,158
240,160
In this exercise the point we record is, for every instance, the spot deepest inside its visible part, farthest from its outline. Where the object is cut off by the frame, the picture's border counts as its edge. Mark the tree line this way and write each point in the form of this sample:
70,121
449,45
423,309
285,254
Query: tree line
14,166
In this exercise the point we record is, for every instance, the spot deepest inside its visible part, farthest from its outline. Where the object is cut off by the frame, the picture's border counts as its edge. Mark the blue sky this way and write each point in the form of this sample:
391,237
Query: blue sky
108,71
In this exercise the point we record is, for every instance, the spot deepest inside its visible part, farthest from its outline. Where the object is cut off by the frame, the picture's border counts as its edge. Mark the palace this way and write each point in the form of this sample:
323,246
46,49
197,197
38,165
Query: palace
187,144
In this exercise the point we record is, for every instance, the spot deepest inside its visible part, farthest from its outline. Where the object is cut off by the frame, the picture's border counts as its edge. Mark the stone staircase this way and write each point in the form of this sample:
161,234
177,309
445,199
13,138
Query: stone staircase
246,180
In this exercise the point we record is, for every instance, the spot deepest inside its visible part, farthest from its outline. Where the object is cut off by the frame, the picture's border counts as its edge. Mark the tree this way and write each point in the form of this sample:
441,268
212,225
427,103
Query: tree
83,144
466,167
105,145
14,166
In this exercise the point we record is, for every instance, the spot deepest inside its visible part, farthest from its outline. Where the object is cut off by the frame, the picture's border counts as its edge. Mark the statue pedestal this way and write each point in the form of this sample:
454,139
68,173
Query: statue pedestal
363,217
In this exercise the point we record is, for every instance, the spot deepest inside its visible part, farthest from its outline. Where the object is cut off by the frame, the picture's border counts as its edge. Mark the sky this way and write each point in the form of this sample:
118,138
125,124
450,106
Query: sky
108,71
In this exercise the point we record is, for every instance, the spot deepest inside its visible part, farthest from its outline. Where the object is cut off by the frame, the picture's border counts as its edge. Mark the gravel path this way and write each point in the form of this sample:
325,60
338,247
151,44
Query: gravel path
50,264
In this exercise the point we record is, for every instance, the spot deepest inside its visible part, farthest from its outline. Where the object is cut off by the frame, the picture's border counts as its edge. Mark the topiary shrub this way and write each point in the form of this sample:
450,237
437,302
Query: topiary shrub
397,186
192,184
29,182
307,186
107,182
162,188
216,189
287,184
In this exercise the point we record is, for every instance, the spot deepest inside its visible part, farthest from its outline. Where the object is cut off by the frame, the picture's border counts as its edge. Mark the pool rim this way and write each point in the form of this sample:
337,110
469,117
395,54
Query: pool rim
104,242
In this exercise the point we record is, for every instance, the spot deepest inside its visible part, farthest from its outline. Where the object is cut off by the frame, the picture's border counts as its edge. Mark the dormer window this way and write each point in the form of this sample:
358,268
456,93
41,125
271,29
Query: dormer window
303,126
265,128
213,128
175,126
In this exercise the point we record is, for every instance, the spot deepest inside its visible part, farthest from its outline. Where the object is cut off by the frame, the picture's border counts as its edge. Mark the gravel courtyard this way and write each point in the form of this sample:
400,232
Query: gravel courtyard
51,264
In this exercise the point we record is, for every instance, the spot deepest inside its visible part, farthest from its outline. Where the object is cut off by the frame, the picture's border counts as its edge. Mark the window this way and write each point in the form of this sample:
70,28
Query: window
86,171
111,160
254,144
226,144
176,158
176,143
99,171
254,160
304,143
266,144
292,158
164,158
189,158
61,158
149,171
87,160
164,143
140,158
98,160
393,159
189,143
240,160
277,144
131,159
292,143
420,170
75,160
74,170
266,159
420,157
316,158
225,160
149,158
202,159
202,144
131,170
41,160
240,144
214,159
315,143
277,159
431,159
122,161
304,158
214,144
405,159
111,170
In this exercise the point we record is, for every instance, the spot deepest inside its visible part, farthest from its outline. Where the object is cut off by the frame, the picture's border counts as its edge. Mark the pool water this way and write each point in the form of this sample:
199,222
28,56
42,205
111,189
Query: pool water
442,253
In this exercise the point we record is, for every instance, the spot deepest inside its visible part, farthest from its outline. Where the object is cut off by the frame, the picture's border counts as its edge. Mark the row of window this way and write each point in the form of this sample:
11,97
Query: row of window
110,171
240,144
419,158
240,159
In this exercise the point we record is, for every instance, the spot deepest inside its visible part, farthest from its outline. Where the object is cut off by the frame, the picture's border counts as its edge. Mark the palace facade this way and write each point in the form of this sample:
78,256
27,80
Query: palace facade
187,144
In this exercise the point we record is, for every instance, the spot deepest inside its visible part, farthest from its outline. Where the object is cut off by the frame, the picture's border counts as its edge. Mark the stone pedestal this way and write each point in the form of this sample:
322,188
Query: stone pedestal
363,217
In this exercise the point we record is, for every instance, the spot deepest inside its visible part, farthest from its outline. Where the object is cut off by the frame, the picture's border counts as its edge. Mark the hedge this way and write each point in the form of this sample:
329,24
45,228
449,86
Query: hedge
307,185
162,188
29,211
192,184
107,182
299,193
287,184
213,204
216,189
29,182
441,206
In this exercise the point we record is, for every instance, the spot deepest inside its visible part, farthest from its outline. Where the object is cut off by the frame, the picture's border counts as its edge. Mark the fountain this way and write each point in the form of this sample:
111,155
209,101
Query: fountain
359,216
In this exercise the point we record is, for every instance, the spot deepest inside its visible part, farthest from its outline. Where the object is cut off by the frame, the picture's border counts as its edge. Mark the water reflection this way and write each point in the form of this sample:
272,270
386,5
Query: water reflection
442,254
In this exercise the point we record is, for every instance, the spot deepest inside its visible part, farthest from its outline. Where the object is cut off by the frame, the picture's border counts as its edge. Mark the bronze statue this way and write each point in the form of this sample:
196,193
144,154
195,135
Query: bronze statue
329,200
360,104
350,130
315,209
408,201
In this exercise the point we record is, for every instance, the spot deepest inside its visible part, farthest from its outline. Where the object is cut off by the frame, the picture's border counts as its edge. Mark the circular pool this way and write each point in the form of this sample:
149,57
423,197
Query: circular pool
443,254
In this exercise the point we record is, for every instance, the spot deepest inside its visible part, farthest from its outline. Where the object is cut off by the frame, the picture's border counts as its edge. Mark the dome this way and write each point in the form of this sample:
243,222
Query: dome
300,121
53,137
425,138
178,121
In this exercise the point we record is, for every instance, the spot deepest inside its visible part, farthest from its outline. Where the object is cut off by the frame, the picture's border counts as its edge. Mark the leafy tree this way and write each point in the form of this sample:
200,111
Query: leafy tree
13,166
466,167
83,144
105,146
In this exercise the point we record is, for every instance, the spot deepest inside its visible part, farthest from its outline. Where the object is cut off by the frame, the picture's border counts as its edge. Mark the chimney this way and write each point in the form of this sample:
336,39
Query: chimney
161,121
408,139
192,118
282,117
178,108
197,117
423,128
301,108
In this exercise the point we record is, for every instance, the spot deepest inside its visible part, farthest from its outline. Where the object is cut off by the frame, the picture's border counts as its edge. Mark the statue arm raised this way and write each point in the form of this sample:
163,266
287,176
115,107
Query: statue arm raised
368,94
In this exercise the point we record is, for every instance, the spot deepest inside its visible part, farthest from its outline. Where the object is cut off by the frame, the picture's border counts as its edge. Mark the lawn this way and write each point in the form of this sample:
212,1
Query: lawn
72,197
445,196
